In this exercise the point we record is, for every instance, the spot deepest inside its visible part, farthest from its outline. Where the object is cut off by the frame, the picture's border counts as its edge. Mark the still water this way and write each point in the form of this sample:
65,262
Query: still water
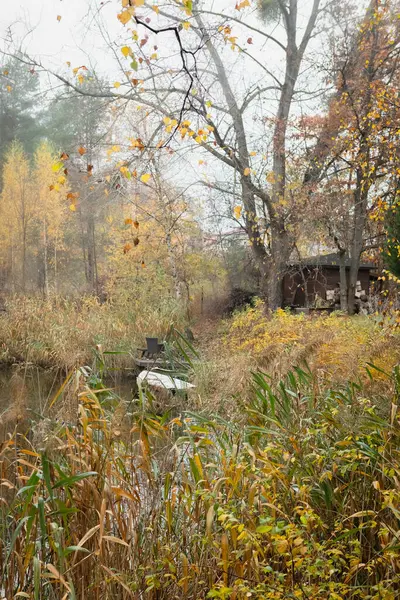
27,392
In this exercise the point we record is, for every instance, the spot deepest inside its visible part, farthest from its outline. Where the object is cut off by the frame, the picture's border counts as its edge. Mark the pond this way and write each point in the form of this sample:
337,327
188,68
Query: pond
27,392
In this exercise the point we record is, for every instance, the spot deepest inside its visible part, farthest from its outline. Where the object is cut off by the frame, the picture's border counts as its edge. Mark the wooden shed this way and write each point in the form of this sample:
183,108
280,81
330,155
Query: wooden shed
320,275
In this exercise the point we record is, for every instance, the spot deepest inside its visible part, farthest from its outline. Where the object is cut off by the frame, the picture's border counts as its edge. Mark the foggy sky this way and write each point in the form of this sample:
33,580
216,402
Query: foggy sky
53,41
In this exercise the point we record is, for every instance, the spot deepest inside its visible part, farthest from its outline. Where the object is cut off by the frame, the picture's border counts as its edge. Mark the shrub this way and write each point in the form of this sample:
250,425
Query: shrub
337,347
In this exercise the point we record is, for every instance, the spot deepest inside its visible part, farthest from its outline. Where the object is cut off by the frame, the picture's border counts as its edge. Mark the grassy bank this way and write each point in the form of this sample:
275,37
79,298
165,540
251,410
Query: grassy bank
337,349
299,500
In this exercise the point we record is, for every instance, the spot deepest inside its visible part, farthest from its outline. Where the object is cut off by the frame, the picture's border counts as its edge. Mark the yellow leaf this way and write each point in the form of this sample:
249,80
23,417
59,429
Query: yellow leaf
57,166
9,88
156,9
243,4
237,211
225,556
126,51
112,538
117,84
72,207
246,172
282,546
253,153
125,3
154,56
124,17
145,178
209,520
198,139
138,2
186,25
167,120
271,177
58,18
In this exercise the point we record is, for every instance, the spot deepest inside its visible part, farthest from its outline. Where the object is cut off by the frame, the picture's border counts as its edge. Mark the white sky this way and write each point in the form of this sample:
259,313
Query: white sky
75,38
53,41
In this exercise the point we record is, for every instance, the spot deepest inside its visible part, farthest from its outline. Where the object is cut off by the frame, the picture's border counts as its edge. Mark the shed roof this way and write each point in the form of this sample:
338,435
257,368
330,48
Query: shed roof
328,260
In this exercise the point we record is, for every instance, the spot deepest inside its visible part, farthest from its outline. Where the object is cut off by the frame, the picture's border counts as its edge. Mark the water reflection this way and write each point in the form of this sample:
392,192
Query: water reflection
26,394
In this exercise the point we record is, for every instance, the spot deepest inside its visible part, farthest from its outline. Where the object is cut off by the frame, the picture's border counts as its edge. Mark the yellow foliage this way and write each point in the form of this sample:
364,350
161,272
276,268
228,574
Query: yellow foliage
336,346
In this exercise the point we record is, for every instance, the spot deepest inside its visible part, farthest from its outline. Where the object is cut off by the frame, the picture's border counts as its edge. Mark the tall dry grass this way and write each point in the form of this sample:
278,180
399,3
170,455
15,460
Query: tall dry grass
336,347
62,333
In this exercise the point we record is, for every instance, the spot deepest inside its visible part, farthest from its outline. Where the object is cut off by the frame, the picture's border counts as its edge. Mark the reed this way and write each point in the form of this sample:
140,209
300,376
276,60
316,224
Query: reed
298,501
62,333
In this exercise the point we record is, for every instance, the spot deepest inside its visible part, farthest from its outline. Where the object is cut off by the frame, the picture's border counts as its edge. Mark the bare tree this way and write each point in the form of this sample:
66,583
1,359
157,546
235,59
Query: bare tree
197,75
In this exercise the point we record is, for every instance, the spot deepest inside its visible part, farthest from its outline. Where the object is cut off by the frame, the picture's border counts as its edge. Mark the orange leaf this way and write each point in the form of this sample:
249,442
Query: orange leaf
128,222
72,196
246,172
82,150
237,211
243,4
58,18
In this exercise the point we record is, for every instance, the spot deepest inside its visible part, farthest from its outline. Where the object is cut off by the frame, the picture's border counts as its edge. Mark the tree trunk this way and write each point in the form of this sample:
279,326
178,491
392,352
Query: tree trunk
281,248
272,268
343,281
178,284
360,215
45,261
23,286
83,244
55,269
275,289
92,278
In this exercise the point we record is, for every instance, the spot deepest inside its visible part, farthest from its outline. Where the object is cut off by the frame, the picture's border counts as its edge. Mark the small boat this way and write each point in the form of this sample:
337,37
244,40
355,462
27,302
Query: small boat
160,380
